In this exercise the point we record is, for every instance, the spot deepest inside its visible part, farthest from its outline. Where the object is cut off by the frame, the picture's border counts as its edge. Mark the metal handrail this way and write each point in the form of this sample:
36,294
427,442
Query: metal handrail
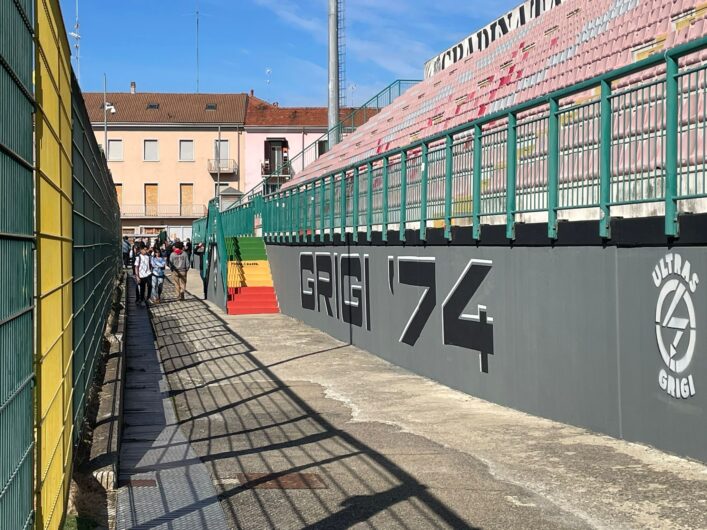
280,170
227,165
307,208
162,210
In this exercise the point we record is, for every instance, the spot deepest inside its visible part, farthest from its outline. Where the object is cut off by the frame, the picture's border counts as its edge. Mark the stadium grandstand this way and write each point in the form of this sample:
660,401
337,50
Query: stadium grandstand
587,112
555,74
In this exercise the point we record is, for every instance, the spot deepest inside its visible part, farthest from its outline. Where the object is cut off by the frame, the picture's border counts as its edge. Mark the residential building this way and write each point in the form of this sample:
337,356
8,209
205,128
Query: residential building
163,150
276,135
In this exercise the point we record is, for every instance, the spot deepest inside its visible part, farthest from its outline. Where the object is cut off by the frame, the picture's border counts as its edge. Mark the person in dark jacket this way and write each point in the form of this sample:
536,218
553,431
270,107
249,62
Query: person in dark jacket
126,252
179,263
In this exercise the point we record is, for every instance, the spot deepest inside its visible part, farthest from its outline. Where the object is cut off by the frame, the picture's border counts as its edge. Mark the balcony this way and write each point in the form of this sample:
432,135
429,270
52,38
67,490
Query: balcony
226,165
162,210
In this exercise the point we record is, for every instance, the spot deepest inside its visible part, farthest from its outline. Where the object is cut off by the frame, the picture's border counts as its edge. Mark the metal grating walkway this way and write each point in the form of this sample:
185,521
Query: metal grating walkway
164,485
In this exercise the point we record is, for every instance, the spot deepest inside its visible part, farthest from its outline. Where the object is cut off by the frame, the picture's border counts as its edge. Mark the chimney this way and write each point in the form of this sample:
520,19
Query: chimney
132,87
275,104
252,92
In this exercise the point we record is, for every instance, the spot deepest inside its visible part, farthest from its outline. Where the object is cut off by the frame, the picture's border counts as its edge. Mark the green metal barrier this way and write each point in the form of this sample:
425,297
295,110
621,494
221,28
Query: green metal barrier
17,276
633,136
96,251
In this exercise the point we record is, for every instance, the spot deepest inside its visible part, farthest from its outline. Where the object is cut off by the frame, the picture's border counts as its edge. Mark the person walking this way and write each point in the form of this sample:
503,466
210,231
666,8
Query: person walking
188,249
143,272
179,263
126,252
158,262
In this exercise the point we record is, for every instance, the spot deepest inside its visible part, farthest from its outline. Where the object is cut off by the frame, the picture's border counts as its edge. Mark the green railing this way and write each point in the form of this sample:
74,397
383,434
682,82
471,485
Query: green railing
96,252
630,137
272,182
17,269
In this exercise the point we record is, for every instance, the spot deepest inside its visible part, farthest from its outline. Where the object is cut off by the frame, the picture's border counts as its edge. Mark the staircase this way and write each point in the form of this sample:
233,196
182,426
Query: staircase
250,284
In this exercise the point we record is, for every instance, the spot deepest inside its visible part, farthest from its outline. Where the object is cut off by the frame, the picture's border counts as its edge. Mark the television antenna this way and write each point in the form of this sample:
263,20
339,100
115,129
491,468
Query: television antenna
77,43
197,46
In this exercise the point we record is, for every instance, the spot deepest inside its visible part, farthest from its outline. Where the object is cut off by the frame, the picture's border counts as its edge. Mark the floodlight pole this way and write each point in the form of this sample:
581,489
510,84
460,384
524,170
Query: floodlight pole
105,117
333,73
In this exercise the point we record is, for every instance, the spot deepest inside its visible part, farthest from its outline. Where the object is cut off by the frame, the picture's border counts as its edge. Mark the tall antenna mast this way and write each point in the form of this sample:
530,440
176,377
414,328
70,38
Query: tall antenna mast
197,46
341,22
77,43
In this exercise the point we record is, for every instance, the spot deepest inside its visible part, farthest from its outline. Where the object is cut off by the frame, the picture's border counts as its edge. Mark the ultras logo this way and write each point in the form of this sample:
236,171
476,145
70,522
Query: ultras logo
339,286
675,324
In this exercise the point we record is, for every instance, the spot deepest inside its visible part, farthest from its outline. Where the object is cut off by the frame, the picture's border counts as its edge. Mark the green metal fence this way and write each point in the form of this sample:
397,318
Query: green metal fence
96,251
633,136
17,270
310,153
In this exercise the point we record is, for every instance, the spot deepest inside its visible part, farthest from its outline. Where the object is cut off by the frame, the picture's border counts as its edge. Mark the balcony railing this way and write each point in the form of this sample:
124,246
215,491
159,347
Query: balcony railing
226,165
162,210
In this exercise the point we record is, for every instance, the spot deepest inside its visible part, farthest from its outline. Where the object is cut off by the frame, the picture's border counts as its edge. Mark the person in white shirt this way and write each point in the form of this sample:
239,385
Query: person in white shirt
143,276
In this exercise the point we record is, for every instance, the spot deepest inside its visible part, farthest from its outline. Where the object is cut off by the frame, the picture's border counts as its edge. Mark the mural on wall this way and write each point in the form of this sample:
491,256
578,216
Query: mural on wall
483,38
338,285
602,337
675,323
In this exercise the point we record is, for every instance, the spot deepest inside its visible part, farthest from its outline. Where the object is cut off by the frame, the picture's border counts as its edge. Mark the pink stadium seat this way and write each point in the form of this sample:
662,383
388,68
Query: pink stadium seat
601,36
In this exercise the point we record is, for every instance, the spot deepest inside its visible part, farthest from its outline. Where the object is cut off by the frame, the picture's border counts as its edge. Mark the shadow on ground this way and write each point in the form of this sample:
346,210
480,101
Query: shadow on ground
275,460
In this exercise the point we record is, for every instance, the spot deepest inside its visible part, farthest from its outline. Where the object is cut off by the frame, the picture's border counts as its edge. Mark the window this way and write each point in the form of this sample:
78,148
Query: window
151,199
186,150
223,186
321,147
211,106
153,106
151,151
221,153
186,200
115,150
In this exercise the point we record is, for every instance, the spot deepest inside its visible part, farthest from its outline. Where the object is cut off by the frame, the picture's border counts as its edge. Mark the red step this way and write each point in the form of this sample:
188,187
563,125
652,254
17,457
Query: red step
247,311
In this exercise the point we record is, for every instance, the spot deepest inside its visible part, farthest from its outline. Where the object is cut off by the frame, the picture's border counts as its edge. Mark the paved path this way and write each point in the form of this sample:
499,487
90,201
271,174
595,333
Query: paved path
164,485
299,430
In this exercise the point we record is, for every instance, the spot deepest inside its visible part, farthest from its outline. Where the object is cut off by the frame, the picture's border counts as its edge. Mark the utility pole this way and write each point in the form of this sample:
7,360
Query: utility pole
105,117
218,169
333,72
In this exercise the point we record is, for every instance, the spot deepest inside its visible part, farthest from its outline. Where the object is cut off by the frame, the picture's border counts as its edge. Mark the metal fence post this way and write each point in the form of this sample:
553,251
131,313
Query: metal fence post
605,161
369,200
332,202
553,159
448,168
322,204
298,214
476,185
354,212
403,194
672,227
384,220
342,206
511,161
423,193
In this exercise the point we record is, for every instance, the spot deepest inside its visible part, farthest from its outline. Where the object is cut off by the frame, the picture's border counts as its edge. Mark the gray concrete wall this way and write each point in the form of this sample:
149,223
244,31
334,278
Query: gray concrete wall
565,333
214,278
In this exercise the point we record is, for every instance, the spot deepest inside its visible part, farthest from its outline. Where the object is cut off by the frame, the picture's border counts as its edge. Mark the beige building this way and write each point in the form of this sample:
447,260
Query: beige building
163,149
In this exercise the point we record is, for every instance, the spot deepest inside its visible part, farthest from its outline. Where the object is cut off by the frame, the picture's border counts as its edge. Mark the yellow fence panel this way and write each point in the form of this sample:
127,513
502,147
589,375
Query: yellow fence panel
53,365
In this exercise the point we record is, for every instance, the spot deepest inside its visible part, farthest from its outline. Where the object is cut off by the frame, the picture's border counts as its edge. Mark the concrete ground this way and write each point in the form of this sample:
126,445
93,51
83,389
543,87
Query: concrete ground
300,430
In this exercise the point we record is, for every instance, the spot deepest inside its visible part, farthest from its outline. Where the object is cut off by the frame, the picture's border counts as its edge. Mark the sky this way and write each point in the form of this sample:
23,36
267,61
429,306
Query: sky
153,42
